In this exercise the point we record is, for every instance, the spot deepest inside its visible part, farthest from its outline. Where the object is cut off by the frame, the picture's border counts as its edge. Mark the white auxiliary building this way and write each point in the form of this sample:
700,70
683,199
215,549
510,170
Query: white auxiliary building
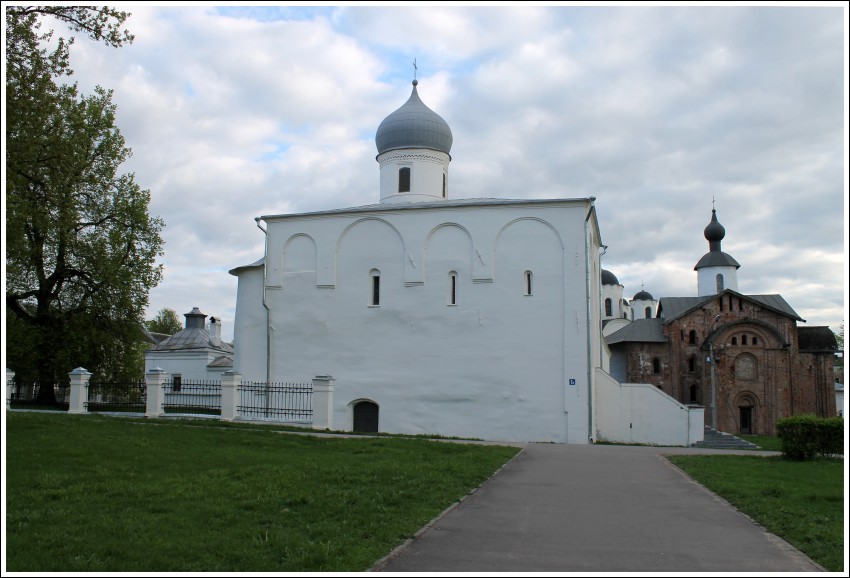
469,317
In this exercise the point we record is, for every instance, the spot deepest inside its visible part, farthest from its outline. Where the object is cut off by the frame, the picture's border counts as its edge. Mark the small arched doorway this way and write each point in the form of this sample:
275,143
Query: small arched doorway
365,416
747,404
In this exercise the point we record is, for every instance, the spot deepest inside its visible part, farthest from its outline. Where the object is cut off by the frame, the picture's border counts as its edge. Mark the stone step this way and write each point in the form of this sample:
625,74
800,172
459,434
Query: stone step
721,440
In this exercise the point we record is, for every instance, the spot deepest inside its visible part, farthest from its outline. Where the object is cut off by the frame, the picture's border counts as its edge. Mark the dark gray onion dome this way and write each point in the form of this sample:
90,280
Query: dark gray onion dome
608,278
642,295
714,233
414,125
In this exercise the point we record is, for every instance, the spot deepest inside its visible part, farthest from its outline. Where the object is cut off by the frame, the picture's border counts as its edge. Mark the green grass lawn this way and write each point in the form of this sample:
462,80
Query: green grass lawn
799,501
98,493
768,443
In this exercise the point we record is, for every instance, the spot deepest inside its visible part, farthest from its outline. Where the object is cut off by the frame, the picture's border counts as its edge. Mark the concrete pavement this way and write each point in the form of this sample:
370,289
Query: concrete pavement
594,508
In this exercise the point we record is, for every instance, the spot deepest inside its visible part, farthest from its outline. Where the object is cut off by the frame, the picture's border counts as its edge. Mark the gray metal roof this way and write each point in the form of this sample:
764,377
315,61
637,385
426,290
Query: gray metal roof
716,259
639,330
258,263
429,205
819,338
414,125
221,361
191,339
671,308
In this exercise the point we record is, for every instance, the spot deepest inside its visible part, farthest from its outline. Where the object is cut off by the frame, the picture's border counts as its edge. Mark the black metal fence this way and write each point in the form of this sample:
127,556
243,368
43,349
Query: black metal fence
192,397
24,395
120,396
290,402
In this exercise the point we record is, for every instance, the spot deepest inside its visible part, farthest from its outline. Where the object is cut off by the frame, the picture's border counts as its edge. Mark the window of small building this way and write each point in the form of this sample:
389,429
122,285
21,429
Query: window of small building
608,307
453,288
720,302
734,341
444,185
656,365
176,382
719,281
740,304
692,337
647,312
755,340
743,340
528,284
375,277
681,334
692,364
404,180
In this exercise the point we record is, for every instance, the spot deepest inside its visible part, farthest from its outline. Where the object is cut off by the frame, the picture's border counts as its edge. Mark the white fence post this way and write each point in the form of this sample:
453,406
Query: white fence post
323,402
154,380
10,384
79,390
230,382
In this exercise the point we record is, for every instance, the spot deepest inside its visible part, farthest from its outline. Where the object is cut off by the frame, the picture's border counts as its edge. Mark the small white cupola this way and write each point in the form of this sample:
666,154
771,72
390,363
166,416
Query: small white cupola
413,153
716,270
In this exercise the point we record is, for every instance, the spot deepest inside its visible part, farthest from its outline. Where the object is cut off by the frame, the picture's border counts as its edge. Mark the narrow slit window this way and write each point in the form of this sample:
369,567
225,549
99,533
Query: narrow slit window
692,337
656,365
608,308
528,279
404,180
743,340
444,185
452,288
719,280
647,313
375,276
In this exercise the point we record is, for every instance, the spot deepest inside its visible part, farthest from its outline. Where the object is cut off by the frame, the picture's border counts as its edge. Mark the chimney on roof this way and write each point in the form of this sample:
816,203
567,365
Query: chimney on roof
195,319
215,331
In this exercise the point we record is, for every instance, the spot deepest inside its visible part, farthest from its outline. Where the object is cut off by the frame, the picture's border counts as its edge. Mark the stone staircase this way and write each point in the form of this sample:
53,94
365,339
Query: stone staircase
723,441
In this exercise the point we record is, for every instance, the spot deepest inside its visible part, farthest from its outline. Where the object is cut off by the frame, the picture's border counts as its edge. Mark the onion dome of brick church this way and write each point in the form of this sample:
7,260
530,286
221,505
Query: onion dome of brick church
642,296
608,278
414,125
714,233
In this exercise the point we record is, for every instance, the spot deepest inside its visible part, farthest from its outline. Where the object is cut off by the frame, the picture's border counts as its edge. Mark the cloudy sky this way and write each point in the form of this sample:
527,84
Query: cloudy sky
237,112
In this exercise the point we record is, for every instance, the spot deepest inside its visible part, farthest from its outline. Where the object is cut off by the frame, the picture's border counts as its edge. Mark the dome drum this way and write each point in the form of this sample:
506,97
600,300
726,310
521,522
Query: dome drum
413,153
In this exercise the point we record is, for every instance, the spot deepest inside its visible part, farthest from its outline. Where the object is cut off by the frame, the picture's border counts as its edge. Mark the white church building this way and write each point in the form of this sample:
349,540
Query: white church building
460,317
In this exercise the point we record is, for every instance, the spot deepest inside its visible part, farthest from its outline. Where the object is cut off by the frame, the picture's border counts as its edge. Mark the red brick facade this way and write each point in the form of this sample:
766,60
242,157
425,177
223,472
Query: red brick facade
760,374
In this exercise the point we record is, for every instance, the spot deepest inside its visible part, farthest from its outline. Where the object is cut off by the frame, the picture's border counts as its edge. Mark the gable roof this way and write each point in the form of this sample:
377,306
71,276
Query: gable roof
639,330
672,308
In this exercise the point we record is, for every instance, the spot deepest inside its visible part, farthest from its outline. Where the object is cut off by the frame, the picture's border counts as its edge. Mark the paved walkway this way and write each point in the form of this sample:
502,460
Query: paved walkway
596,508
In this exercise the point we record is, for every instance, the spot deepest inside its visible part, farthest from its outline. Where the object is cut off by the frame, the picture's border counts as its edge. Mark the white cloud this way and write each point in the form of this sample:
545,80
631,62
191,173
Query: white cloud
236,113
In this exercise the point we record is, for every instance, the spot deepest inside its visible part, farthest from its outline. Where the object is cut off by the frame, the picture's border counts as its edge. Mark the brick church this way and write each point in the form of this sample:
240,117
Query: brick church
743,357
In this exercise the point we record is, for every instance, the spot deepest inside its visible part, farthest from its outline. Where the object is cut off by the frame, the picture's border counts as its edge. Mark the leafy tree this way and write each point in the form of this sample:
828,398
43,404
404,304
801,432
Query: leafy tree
166,321
80,245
